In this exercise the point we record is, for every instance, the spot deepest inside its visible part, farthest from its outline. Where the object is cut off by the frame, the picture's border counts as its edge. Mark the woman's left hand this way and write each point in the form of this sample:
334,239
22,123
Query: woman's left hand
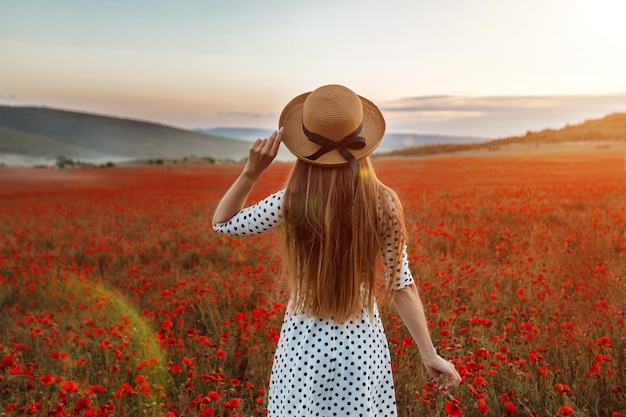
262,153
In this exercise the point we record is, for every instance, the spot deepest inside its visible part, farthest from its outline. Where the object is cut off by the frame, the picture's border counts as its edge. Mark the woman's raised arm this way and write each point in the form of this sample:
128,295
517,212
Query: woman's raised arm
262,153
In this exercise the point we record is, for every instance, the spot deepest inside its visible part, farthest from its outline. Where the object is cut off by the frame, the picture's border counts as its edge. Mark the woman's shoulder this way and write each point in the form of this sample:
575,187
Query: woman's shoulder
389,194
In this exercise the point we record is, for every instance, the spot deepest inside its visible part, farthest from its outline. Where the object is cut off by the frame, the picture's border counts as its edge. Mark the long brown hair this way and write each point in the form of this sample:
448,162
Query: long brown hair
334,238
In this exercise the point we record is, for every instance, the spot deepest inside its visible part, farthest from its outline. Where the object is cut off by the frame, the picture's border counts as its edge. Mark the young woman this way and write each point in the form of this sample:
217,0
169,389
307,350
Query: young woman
338,220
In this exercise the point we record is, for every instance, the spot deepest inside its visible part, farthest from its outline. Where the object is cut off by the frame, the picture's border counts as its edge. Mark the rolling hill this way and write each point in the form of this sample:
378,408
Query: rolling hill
48,133
42,135
611,128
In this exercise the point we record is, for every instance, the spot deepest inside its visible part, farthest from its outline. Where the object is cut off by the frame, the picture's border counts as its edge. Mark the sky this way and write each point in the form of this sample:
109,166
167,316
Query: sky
485,68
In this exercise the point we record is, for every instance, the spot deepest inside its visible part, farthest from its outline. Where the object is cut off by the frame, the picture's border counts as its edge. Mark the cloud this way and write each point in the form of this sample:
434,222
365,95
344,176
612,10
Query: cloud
496,116
246,115
497,103
8,97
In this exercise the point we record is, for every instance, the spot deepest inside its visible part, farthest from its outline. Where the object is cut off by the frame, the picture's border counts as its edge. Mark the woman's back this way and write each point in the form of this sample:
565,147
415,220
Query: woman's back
335,229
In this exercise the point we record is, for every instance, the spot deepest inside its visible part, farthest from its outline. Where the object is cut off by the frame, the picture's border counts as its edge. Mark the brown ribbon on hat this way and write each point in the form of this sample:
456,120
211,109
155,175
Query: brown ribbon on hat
352,141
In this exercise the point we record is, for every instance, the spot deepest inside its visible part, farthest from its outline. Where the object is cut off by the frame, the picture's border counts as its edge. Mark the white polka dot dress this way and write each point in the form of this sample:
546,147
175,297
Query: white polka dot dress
323,368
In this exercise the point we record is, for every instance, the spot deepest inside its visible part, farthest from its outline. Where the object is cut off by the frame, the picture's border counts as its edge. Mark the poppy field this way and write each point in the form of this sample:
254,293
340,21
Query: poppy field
117,298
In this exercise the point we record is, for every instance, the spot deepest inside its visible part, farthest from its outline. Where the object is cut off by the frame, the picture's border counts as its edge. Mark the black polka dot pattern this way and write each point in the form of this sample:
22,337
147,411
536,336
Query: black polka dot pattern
402,276
256,219
321,367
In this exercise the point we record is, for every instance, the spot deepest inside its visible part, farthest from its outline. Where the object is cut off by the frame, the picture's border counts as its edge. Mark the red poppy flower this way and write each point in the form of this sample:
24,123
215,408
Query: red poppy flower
46,379
207,412
562,389
231,404
97,389
510,408
124,389
69,386
481,406
452,408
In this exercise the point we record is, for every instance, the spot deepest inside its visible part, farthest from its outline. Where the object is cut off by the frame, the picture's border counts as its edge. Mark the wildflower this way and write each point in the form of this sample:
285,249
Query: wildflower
97,389
46,379
479,381
59,355
9,407
69,386
562,389
105,344
83,404
125,388
594,370
220,354
231,404
481,406
33,408
452,407
534,356
603,341
142,385
565,411
510,408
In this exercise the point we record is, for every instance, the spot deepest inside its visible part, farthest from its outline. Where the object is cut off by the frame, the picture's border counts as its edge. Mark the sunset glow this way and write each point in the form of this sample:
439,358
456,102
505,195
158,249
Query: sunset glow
205,64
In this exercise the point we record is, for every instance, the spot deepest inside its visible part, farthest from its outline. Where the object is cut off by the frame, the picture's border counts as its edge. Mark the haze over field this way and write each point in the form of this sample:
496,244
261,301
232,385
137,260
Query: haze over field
36,136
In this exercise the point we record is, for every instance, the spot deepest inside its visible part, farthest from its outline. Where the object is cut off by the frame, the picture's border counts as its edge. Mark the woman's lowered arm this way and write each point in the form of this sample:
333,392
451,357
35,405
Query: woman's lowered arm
410,308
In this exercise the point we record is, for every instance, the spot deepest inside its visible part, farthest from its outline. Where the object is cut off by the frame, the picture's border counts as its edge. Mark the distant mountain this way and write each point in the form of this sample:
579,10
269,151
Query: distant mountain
248,134
44,134
611,128
48,133
399,141
391,141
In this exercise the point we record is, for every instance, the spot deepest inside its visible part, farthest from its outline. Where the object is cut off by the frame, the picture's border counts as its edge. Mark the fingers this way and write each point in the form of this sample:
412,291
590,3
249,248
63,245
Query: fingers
453,379
270,145
267,143
445,375
277,140
256,144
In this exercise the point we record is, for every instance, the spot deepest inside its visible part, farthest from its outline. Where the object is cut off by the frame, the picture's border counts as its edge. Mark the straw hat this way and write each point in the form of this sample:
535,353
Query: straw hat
331,126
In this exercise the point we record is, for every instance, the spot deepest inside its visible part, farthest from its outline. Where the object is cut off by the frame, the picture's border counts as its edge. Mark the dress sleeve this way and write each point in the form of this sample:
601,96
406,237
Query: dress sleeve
400,276
256,219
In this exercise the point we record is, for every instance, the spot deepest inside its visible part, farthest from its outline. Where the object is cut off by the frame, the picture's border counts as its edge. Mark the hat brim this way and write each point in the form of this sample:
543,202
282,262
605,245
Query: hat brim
298,144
